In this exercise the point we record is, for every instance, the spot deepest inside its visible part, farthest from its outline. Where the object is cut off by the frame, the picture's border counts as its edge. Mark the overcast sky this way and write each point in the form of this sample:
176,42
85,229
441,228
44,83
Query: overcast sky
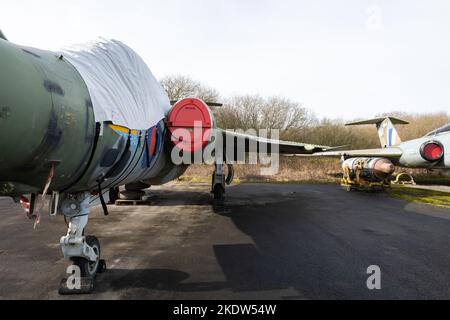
347,59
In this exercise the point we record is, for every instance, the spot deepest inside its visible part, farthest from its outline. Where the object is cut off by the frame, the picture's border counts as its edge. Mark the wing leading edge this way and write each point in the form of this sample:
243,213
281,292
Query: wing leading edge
391,153
284,147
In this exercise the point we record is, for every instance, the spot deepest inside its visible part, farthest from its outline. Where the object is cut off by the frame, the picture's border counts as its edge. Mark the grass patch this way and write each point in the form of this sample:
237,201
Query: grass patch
436,198
194,179
261,179
432,180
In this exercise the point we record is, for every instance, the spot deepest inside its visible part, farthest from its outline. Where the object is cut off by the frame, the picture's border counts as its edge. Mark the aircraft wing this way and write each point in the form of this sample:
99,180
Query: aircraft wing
284,147
391,153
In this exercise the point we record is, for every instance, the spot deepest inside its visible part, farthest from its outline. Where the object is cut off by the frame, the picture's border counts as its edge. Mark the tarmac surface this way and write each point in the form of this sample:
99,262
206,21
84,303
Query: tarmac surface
266,241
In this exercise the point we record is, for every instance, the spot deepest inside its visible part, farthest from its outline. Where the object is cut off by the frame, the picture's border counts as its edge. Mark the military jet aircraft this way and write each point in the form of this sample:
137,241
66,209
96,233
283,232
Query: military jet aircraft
81,122
431,151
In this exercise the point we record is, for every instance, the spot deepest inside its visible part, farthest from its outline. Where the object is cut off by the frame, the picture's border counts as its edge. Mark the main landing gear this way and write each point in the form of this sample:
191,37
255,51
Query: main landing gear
219,180
83,251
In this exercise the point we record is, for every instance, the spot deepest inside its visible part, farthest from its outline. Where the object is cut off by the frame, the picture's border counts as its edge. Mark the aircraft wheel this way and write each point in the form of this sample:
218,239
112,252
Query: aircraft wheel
218,192
89,268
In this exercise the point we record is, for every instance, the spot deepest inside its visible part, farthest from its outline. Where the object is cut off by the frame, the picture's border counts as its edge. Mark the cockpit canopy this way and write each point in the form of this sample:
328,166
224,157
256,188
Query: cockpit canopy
445,128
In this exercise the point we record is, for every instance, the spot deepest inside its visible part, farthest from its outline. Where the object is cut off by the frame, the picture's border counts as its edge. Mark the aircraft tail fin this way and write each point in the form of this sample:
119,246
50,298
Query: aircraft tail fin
386,130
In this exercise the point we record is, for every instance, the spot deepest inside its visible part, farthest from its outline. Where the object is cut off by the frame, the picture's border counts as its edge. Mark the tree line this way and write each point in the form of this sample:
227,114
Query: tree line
295,121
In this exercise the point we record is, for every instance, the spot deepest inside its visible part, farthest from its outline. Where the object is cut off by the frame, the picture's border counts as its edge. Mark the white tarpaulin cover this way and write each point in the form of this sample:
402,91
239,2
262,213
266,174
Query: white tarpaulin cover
122,88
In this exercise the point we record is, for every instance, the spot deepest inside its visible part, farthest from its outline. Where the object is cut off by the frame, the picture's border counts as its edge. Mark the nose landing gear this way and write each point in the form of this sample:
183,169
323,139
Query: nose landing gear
83,251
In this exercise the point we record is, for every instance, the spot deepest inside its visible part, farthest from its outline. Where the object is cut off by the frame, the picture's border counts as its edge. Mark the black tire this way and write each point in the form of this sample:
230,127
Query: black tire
101,266
89,269
218,192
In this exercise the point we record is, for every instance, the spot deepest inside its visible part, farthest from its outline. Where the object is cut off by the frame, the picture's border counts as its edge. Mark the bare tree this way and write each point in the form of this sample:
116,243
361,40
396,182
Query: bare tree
255,112
293,120
178,87
284,114
243,112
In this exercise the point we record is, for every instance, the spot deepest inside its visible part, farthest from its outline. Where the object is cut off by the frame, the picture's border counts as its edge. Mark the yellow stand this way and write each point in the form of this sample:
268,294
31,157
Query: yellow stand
404,174
357,183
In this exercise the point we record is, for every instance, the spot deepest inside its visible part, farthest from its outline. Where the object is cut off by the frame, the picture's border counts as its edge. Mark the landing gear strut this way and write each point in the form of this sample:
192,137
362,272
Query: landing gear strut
83,251
219,181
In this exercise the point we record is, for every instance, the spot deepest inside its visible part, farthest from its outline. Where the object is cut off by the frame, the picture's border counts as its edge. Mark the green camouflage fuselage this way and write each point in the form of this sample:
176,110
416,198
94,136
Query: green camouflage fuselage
47,118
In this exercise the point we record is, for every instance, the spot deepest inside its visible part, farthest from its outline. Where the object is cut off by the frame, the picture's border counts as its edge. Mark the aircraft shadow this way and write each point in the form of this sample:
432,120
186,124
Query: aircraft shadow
322,248
314,248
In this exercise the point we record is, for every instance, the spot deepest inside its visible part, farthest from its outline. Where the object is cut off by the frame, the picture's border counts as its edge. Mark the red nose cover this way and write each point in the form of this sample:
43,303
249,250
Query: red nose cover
189,123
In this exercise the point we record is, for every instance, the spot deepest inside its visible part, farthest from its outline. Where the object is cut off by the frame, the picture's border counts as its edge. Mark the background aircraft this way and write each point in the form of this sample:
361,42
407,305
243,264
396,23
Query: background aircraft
81,122
431,151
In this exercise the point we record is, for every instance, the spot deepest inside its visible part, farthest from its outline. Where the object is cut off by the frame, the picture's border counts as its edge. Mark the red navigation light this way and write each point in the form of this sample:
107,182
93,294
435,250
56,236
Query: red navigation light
432,151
